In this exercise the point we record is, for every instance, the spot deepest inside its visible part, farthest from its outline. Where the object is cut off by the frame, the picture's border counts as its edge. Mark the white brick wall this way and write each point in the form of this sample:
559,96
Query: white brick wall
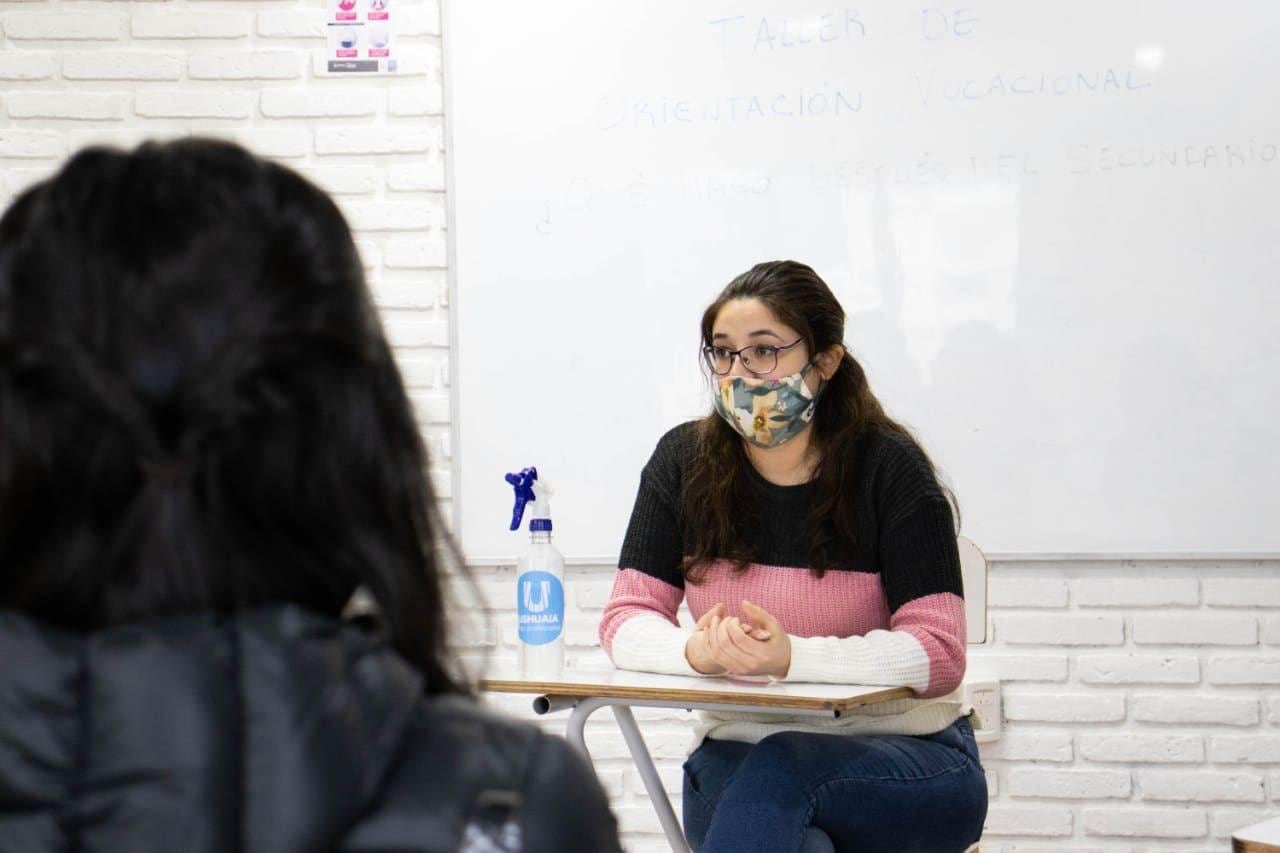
1149,630
1144,823
1168,740
78,73
1056,707
123,65
64,25
1106,629
1182,786
1069,784
1242,592
1138,669
1180,708
1142,700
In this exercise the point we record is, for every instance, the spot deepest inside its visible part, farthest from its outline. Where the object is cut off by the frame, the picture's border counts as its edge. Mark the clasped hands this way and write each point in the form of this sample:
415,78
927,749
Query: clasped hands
737,646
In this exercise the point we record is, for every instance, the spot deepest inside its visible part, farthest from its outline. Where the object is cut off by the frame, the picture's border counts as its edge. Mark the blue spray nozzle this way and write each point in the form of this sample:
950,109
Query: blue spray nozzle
523,484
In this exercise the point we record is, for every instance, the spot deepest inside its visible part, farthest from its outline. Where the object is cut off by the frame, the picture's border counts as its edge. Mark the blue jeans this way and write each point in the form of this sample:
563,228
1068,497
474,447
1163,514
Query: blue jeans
797,791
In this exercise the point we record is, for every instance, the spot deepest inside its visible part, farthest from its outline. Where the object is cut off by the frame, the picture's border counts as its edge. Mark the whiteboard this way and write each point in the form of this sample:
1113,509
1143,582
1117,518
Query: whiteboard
1054,230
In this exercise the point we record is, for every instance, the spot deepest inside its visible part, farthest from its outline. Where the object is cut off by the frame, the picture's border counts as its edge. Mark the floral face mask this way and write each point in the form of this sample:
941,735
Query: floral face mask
766,412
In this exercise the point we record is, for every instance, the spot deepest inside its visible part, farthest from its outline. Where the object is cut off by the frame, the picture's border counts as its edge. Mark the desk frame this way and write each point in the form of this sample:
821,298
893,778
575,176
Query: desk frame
581,707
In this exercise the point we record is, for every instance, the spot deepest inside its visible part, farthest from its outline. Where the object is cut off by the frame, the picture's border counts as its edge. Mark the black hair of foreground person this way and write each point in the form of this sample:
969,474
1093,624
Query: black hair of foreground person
205,450
201,411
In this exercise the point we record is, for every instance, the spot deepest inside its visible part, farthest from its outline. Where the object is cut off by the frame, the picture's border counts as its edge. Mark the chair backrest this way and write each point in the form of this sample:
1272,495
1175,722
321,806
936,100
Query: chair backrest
973,569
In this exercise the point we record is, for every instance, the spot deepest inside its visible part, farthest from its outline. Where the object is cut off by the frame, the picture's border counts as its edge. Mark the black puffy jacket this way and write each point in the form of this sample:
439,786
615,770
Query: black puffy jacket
272,730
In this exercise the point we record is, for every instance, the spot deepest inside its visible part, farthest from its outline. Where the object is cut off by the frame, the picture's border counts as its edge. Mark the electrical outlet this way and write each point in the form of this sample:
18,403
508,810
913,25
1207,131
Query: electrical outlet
984,696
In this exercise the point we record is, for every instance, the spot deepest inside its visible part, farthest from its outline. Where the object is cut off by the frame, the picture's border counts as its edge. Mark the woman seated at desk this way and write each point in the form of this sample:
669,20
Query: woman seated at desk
814,543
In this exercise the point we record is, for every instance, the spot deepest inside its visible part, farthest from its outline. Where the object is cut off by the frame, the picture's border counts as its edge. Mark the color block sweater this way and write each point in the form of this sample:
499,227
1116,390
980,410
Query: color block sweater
889,610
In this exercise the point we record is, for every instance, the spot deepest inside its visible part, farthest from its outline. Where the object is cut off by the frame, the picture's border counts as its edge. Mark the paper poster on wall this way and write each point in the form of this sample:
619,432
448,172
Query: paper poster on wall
360,37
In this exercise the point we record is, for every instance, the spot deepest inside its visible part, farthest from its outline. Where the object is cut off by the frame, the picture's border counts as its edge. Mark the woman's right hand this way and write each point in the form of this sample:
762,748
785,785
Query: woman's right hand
696,650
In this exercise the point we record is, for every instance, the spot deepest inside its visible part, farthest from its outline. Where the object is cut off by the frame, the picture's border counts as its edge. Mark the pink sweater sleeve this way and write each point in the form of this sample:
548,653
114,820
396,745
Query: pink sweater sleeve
640,629
937,623
634,593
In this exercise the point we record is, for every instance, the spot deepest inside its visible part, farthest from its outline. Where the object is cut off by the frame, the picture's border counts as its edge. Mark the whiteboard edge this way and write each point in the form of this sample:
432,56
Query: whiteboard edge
1133,556
451,275
992,557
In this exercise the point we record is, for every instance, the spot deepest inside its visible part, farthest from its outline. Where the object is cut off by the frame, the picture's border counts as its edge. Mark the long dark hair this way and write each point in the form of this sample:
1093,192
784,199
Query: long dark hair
717,506
198,407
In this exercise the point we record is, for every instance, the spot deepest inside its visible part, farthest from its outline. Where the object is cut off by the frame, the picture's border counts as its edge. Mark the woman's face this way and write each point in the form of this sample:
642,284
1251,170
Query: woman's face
748,323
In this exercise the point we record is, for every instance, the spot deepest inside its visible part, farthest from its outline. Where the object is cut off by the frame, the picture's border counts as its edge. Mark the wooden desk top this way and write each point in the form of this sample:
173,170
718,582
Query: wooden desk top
1260,838
609,683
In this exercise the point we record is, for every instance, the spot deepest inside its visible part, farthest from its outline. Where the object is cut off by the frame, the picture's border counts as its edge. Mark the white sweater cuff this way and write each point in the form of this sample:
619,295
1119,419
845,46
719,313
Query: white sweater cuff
649,643
891,658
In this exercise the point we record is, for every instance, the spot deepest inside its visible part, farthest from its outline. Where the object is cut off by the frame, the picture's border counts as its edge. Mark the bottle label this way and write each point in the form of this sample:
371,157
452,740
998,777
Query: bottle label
540,605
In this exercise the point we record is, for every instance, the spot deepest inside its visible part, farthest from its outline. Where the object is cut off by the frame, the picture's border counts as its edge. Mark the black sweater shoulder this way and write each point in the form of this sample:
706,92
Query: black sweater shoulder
904,525
672,458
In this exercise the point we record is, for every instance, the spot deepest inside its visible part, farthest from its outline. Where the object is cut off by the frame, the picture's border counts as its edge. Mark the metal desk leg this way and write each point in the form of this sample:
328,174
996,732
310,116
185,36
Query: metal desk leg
582,709
649,773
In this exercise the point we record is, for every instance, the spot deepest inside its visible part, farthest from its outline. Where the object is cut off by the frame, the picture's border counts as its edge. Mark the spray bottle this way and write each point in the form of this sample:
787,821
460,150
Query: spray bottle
539,581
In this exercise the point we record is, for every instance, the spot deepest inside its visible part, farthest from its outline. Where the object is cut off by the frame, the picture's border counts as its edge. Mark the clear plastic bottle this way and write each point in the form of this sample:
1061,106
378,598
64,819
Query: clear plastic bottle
539,582
540,604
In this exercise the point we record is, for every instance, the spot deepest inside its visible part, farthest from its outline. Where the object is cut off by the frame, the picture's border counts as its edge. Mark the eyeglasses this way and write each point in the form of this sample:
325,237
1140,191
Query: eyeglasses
757,358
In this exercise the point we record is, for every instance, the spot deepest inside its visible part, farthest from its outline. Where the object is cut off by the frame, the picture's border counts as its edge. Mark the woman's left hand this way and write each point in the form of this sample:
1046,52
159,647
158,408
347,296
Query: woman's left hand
736,647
